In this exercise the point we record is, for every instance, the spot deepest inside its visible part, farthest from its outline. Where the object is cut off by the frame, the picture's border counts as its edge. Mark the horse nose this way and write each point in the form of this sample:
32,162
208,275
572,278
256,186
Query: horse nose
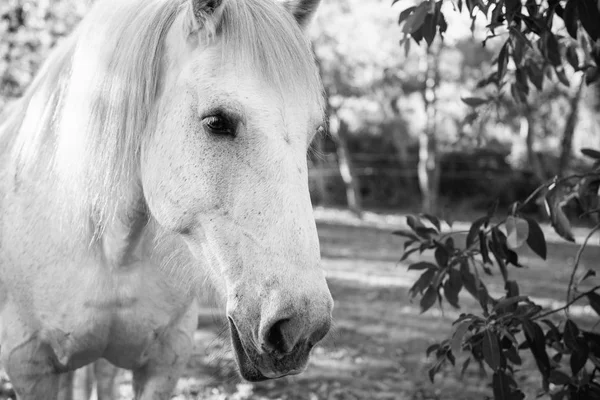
281,336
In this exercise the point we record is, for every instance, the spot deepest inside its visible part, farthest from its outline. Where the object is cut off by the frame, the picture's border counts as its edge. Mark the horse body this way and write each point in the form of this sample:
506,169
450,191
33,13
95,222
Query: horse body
83,301
161,145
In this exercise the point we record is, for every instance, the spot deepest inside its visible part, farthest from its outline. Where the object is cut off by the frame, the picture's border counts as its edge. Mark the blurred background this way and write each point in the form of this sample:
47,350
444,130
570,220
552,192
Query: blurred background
400,140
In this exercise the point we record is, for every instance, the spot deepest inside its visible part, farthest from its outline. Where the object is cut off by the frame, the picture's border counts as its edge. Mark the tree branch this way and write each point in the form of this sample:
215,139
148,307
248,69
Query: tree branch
568,304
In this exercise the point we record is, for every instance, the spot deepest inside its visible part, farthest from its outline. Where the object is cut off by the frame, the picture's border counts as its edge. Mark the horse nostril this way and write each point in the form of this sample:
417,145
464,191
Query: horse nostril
280,337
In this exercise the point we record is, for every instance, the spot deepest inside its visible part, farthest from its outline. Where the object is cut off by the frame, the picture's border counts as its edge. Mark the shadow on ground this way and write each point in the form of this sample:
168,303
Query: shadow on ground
376,350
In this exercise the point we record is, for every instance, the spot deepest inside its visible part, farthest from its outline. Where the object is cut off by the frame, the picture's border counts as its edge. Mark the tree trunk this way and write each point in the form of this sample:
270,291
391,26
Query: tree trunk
428,167
338,130
528,131
567,140
400,139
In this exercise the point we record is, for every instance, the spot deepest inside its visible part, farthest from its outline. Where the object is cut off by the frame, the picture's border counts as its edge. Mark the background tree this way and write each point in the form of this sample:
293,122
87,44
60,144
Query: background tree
567,355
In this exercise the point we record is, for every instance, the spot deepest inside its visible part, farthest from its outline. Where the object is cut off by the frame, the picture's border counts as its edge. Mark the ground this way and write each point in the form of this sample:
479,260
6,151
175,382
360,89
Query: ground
377,347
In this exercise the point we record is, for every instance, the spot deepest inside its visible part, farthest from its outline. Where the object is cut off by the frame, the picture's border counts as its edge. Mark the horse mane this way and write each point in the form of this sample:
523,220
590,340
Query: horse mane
91,105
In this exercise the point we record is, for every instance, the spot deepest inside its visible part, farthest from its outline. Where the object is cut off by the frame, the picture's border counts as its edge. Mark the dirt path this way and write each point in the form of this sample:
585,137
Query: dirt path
377,348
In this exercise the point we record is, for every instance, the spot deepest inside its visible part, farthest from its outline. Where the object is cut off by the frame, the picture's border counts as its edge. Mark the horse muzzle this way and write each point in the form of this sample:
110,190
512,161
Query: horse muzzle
281,357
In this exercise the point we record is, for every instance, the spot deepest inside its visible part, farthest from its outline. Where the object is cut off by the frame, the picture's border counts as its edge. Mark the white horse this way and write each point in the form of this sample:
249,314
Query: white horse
162,144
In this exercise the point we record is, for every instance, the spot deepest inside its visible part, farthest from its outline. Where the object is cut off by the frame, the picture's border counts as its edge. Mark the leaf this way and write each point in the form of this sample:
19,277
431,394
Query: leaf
429,28
452,287
519,49
589,15
422,283
465,366
592,74
512,258
505,303
424,232
558,377
587,194
535,74
552,49
497,13
404,14
579,357
483,249
512,8
554,200
474,286
428,299
521,79
419,266
537,345
432,348
474,230
512,288
458,335
532,8
573,57
450,244
553,335
570,18
442,23
441,256
562,77
594,300
491,350
416,19
431,374
498,244
517,230
502,61
474,101
434,221
513,355
413,222
417,35
591,153
432,371
407,253
536,239
405,234
570,335
502,385
593,340
588,273
518,94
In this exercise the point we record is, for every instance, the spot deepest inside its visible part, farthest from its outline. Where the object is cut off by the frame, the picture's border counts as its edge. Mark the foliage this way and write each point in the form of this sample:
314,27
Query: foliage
28,30
534,42
567,356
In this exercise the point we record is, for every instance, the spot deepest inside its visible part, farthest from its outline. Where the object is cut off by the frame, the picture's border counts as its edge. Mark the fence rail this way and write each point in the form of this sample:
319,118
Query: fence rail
319,172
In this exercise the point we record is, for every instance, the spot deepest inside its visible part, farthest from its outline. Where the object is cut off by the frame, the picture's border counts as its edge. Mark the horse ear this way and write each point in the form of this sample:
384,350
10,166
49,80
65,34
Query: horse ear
302,10
204,12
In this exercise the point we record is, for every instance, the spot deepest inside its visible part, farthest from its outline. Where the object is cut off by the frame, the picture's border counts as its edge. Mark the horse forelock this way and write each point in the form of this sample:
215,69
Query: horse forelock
261,36
93,100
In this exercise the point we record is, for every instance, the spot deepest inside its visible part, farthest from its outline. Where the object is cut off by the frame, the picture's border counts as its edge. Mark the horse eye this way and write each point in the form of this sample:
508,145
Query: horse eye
219,125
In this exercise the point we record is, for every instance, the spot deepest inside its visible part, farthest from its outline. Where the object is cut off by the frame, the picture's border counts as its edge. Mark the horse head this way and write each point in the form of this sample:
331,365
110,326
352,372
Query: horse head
226,169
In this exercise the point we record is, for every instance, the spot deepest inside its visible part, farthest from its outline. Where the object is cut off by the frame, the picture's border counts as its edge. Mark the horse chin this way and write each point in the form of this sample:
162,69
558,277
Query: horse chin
248,368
